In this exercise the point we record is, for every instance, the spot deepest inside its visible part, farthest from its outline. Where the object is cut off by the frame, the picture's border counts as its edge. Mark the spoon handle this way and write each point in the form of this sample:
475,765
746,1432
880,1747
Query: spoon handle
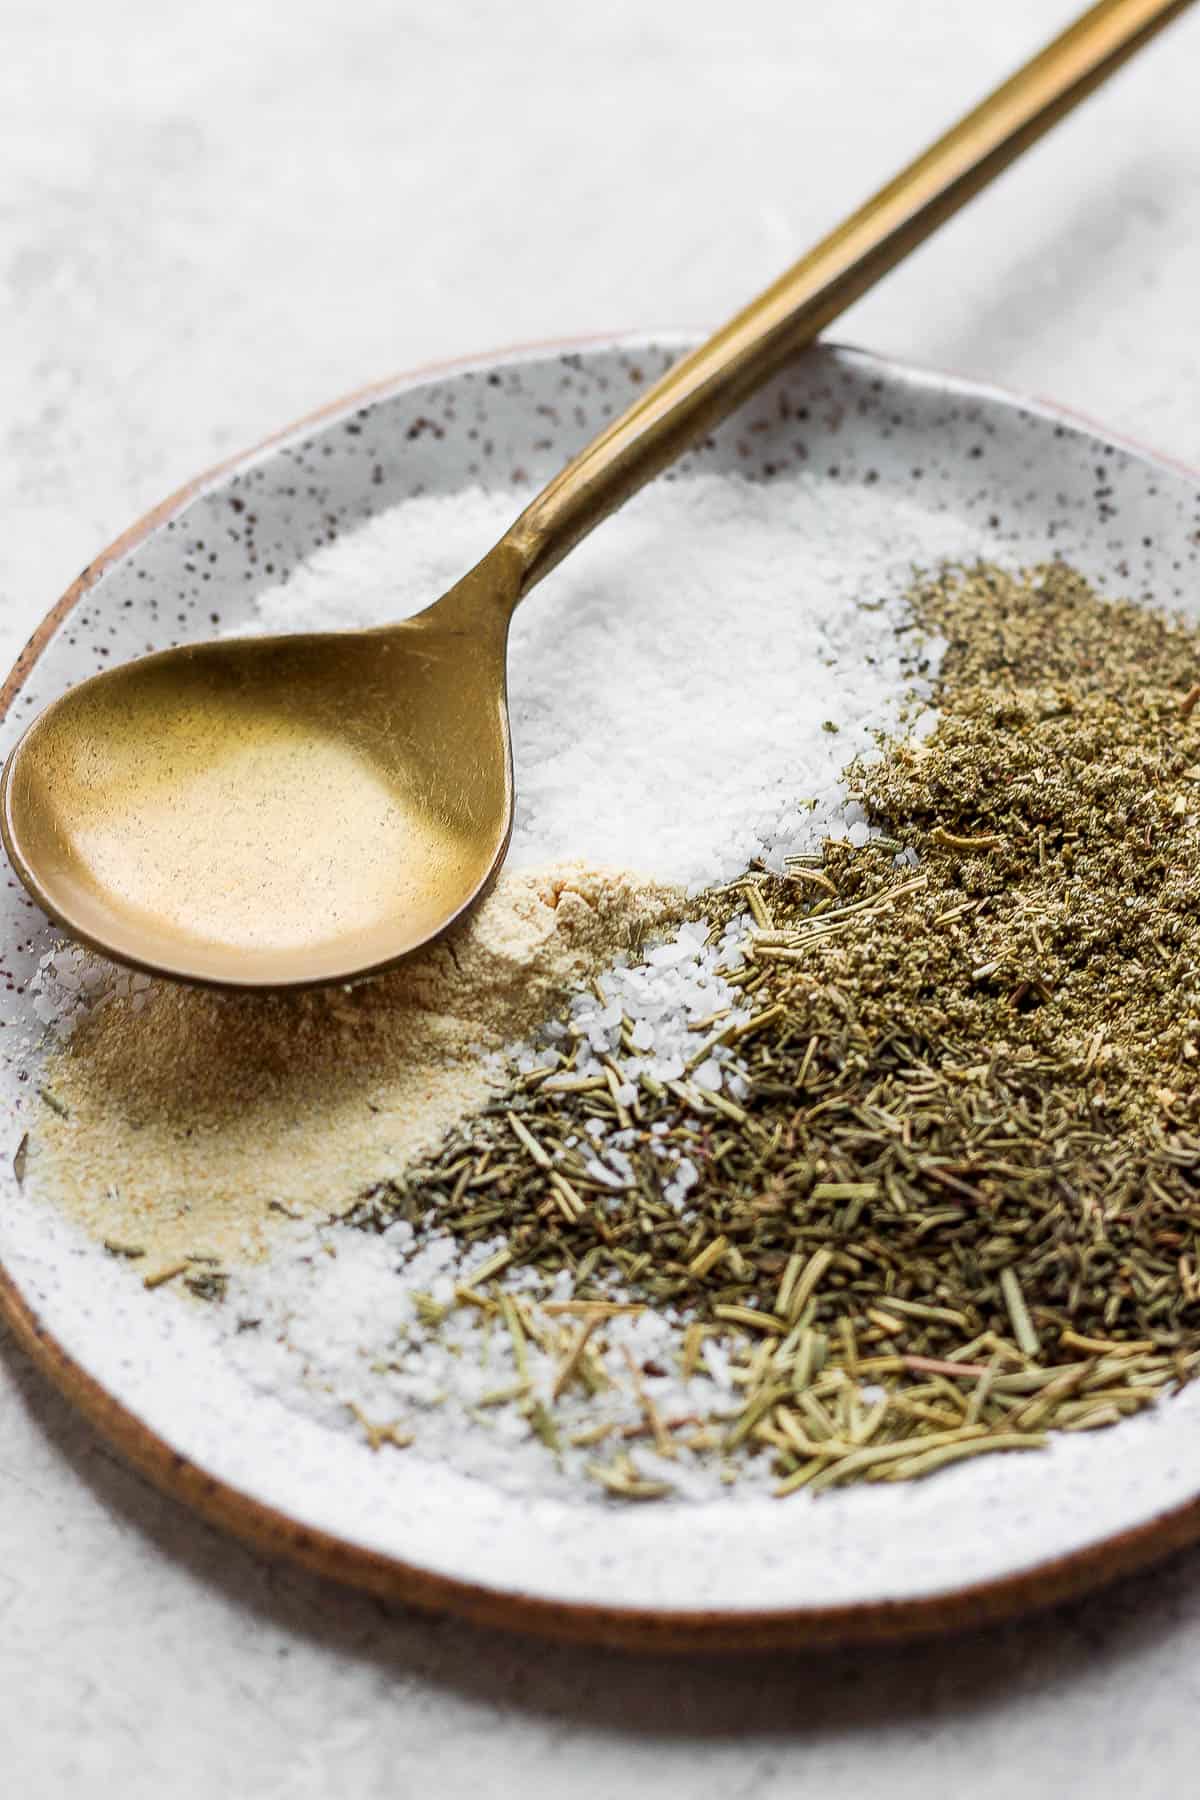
697,392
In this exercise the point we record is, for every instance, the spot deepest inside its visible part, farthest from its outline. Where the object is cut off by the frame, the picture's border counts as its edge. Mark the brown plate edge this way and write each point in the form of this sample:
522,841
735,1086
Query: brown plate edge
267,1530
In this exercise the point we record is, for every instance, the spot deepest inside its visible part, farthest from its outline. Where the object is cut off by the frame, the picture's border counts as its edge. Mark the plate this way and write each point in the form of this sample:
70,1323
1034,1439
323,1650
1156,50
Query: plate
1021,481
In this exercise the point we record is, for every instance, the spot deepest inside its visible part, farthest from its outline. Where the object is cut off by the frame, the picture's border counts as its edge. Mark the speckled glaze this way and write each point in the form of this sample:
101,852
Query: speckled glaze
976,1542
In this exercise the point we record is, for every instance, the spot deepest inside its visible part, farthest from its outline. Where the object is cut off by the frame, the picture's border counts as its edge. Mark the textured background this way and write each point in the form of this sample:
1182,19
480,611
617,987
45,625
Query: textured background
213,219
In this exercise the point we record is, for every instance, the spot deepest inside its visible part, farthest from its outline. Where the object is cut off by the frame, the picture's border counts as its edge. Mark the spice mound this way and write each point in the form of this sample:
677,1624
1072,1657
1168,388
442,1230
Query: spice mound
945,1198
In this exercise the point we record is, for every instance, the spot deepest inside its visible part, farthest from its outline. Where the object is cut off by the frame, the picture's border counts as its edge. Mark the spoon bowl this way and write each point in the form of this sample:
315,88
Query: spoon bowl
275,811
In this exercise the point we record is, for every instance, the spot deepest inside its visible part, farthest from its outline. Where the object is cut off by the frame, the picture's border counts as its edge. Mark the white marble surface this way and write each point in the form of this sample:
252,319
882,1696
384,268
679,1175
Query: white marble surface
214,219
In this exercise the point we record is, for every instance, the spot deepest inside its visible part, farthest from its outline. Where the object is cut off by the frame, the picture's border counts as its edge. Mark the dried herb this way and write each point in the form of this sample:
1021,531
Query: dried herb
208,1284
960,1205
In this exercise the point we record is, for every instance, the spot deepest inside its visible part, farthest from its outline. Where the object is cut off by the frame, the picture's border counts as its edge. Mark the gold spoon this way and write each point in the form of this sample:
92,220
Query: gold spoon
278,812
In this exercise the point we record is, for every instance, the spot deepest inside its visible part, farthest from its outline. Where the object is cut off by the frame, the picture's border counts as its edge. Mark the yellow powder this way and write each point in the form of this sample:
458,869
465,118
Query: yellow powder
196,1120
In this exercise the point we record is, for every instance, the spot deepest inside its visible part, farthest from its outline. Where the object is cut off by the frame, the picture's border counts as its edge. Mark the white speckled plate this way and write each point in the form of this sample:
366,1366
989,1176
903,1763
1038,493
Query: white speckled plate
972,1544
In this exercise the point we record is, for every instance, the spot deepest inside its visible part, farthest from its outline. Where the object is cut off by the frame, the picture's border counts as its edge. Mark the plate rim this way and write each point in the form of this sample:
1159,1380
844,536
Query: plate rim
268,1530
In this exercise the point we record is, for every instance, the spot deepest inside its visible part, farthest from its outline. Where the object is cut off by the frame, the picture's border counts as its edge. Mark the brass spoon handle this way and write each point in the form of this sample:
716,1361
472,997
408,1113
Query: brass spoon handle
704,386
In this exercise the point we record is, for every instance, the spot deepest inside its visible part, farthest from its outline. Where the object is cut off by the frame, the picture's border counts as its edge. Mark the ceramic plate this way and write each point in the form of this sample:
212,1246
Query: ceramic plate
1022,481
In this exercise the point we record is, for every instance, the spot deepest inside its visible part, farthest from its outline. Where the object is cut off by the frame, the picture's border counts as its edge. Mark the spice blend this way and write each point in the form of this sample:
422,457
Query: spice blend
881,1162
958,1203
